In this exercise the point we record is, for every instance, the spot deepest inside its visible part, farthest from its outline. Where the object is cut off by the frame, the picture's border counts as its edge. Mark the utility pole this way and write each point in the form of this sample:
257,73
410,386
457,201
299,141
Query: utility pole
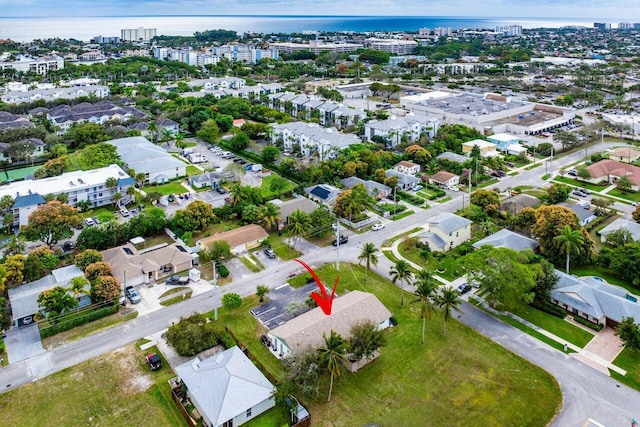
338,245
602,139
215,286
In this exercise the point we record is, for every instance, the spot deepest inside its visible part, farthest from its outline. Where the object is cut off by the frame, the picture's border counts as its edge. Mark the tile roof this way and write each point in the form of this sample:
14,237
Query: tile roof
618,169
225,385
347,310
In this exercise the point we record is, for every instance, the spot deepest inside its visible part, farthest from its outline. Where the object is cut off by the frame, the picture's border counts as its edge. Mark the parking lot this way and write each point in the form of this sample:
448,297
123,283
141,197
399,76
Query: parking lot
273,313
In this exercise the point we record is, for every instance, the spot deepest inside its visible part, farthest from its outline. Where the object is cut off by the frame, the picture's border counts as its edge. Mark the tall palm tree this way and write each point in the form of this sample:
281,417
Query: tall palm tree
117,197
167,136
78,285
401,272
299,225
140,178
111,183
179,139
331,354
426,295
448,301
369,255
269,215
570,242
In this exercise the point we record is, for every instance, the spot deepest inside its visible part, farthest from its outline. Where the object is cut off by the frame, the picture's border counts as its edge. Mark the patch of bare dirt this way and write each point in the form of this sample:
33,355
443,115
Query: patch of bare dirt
134,379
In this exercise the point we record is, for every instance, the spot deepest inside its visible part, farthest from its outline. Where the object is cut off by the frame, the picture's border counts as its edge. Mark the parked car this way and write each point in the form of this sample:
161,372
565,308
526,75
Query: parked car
378,226
334,226
89,222
269,252
572,172
171,198
579,193
417,187
133,295
343,239
173,280
464,288
68,246
221,190
154,361
585,191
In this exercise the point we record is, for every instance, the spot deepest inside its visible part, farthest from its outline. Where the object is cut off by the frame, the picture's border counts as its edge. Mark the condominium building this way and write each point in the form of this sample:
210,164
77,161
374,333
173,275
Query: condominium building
64,116
244,53
78,186
137,34
315,47
394,129
398,47
310,137
39,65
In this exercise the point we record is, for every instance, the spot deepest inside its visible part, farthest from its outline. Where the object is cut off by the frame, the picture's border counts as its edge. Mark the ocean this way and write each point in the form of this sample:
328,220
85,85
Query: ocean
85,28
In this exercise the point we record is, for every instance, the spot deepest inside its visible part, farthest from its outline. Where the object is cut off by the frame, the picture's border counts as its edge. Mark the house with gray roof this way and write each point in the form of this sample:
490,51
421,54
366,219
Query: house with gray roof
508,239
168,124
585,215
64,116
145,157
621,224
207,179
594,300
24,298
446,231
374,189
323,193
287,208
14,121
452,157
227,389
405,181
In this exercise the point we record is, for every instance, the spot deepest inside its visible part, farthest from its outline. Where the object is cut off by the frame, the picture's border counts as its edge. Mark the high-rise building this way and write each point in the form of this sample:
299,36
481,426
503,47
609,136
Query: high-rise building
137,34
602,26
442,32
509,30
105,40
625,26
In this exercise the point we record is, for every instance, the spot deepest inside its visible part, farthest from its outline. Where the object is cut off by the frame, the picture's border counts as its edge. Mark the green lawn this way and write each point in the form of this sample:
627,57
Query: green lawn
405,214
575,182
176,299
266,183
487,183
192,170
174,187
606,274
461,378
115,389
451,270
555,325
276,417
281,248
632,196
629,360
254,268
536,165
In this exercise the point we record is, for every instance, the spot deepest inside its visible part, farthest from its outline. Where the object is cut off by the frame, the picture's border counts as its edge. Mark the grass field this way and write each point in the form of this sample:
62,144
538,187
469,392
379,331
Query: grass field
629,360
174,187
555,325
606,274
631,196
281,248
575,182
461,378
192,170
451,270
115,389
266,183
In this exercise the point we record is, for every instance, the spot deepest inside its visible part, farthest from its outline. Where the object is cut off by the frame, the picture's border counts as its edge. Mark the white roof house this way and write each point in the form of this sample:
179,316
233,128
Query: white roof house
227,388
621,224
507,239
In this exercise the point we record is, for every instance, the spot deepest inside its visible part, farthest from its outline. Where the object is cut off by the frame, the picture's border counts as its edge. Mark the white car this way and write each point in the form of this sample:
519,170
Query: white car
454,188
89,222
378,226
334,226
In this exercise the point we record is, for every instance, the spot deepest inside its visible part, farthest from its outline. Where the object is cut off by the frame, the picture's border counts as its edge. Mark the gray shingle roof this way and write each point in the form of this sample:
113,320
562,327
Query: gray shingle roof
625,224
453,157
580,212
448,222
507,239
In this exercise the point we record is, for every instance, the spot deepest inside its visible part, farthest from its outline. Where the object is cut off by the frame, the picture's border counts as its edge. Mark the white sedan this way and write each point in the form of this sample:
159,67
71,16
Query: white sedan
378,226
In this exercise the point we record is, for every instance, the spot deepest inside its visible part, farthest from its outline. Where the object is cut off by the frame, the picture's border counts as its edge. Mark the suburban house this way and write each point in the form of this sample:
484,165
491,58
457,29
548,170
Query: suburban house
585,216
290,206
207,179
374,189
143,156
239,239
310,137
38,149
323,193
621,224
227,389
610,171
452,157
64,116
78,186
14,121
508,239
24,298
52,94
405,181
624,154
407,167
487,149
394,128
515,204
507,143
444,179
132,266
594,300
446,231
168,124
307,329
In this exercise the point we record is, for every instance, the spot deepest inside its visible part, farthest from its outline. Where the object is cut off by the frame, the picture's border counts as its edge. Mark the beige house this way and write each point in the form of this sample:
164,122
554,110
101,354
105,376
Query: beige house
407,167
610,171
133,267
487,149
240,239
445,179
446,231
348,310
624,154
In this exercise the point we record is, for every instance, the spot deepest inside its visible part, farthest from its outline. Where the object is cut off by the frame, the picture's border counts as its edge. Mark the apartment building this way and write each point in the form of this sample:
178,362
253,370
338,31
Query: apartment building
20,97
398,47
395,128
14,121
64,116
310,138
315,47
23,63
137,34
244,53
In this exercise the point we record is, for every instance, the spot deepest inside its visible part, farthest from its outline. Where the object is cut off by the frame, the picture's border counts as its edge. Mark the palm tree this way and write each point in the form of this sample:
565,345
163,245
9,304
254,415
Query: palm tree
179,139
117,197
140,179
401,272
331,354
570,242
369,256
299,225
269,215
426,296
448,301
77,289
111,183
167,136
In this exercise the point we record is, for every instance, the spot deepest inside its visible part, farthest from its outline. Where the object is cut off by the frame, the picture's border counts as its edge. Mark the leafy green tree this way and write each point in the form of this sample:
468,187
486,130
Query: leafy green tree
52,222
105,289
239,141
85,134
16,245
56,301
364,340
39,263
629,333
624,183
208,131
583,173
217,250
549,221
331,354
488,200
277,184
191,335
96,270
269,154
557,193
448,301
321,218
86,257
231,301
369,255
14,270
426,295
401,272
302,371
619,237
352,202
299,225
261,291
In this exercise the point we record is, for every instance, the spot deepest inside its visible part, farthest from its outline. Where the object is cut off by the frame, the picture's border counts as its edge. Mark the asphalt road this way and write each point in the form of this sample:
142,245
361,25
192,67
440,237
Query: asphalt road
587,393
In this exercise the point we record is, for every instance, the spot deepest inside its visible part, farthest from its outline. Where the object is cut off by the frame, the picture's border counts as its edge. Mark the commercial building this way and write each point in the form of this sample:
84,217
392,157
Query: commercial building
137,34
146,157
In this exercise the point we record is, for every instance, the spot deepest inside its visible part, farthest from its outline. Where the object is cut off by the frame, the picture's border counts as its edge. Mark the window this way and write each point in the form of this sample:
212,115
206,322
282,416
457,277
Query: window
249,413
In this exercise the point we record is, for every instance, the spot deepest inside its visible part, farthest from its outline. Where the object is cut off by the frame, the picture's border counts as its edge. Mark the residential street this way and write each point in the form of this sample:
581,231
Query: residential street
587,393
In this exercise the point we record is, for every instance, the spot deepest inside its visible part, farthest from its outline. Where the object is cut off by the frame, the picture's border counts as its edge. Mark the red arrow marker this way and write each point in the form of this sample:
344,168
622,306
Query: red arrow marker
323,300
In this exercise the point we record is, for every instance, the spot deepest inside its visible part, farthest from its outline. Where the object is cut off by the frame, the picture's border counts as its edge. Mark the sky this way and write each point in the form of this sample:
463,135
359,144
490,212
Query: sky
617,10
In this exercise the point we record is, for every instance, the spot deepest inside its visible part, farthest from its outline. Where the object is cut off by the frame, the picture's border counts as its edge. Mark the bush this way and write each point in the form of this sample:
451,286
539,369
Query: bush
73,319
227,340
550,309
223,270
193,334
595,326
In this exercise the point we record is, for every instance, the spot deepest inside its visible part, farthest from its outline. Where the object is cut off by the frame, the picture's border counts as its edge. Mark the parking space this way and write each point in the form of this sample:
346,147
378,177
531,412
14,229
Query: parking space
273,313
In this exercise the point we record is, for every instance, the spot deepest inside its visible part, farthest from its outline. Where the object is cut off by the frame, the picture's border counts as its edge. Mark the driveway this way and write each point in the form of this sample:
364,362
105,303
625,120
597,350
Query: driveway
23,343
273,313
606,345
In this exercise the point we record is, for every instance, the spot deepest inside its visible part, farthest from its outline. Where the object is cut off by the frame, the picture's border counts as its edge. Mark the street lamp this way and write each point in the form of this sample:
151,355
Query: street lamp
215,286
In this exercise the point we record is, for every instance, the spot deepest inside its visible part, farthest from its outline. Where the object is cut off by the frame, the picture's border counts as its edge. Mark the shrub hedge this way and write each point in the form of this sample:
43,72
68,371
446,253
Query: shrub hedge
73,320
588,324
